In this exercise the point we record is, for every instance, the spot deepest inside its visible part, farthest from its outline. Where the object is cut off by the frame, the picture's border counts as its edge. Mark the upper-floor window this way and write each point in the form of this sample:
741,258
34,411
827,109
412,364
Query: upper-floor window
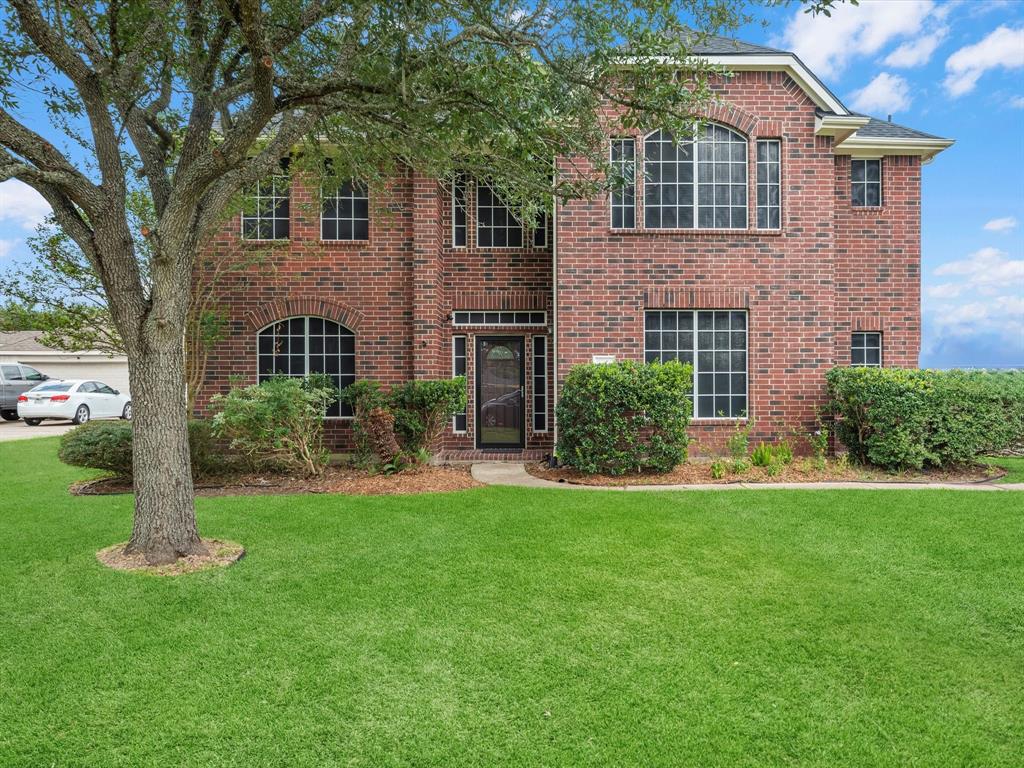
623,198
866,349
696,184
300,346
769,184
496,225
268,210
345,214
865,183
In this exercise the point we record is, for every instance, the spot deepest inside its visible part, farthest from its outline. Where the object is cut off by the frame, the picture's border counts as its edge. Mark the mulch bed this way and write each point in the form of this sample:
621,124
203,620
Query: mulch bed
698,471
222,554
347,480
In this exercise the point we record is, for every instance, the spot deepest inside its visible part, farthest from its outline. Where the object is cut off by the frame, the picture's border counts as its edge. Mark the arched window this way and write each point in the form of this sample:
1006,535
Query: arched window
300,346
700,184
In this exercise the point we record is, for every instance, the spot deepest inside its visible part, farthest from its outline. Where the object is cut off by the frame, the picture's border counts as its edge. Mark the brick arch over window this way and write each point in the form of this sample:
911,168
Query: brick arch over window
740,120
265,314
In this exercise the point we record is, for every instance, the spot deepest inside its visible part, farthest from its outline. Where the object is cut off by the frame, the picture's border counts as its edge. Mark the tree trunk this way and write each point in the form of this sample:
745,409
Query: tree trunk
165,519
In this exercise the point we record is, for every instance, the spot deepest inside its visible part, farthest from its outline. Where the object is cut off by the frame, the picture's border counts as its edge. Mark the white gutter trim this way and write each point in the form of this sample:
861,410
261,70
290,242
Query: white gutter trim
762,62
873,146
839,126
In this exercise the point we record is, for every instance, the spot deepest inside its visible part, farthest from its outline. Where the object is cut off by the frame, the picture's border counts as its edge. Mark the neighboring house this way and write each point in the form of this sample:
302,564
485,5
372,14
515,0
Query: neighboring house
24,347
786,242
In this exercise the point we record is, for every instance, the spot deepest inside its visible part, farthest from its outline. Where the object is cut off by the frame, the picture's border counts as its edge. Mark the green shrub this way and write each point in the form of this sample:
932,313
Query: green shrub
763,455
364,397
900,419
108,445
718,468
739,441
624,417
740,466
423,408
277,424
784,452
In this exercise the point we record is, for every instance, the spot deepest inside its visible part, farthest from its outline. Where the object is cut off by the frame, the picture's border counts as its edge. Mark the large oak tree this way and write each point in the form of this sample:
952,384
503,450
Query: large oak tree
189,102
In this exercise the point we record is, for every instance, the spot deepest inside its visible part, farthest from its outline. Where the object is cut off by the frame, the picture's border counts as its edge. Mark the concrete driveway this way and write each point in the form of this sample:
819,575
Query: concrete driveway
19,430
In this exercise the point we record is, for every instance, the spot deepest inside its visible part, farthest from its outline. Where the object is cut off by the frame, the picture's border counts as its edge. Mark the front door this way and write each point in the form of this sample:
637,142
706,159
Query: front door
499,392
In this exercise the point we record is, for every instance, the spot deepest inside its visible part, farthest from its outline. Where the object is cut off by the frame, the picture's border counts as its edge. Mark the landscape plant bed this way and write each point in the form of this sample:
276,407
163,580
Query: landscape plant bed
347,480
698,471
220,555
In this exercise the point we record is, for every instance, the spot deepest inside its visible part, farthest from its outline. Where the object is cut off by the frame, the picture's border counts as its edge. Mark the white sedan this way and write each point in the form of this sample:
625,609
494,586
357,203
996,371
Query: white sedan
76,399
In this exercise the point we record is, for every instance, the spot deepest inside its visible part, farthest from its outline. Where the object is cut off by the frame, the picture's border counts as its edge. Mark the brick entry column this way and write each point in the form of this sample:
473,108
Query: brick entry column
427,288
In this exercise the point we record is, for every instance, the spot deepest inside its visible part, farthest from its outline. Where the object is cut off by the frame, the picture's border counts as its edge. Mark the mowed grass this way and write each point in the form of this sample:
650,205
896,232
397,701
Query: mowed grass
509,627
1013,465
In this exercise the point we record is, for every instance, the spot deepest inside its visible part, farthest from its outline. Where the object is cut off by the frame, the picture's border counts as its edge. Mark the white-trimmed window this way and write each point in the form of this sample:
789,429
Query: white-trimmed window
345,215
865,183
300,346
459,369
714,342
696,184
623,198
496,225
866,349
540,383
268,213
505,317
460,228
769,184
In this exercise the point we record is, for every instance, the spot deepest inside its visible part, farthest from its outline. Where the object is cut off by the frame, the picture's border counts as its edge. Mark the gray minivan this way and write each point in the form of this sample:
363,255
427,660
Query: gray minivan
16,378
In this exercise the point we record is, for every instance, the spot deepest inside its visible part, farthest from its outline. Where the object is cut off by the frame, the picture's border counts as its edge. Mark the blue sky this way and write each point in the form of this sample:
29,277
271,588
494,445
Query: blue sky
954,69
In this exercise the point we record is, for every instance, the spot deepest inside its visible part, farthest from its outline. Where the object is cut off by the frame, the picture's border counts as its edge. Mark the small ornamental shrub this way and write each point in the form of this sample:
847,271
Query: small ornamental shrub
819,444
908,419
363,396
740,466
739,441
718,468
99,445
784,452
423,408
277,424
108,445
763,455
624,417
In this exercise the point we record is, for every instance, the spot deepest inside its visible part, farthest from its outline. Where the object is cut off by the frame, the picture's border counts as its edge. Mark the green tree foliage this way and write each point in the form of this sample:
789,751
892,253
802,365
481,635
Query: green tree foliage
899,419
625,417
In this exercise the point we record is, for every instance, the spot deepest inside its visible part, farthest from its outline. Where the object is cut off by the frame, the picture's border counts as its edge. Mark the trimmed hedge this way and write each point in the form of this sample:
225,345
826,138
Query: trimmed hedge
624,417
907,419
107,445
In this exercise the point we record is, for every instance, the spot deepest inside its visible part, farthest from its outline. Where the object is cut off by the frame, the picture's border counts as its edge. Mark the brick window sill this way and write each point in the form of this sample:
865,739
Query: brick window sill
706,422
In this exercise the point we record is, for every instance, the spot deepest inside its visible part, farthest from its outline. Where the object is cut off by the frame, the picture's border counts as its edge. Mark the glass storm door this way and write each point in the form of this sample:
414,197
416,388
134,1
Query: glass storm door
499,391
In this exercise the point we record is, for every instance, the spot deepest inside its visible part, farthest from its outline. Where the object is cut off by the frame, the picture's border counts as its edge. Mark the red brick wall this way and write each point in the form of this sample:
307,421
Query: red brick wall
831,269
803,286
878,263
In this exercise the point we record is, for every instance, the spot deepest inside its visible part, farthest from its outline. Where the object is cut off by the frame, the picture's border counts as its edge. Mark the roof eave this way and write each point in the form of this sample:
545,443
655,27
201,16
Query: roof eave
761,62
875,146
841,127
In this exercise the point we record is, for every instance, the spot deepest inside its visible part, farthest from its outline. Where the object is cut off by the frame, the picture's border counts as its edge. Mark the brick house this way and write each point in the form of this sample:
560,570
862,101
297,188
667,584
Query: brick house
782,242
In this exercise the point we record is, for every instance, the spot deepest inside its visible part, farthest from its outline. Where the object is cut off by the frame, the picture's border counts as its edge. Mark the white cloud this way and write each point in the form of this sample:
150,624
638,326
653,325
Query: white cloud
988,271
1004,224
944,291
915,53
886,93
1001,48
6,246
827,45
20,204
1017,102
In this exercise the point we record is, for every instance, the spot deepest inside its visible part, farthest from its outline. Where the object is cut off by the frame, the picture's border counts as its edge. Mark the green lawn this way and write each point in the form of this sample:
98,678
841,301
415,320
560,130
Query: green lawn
1013,465
518,628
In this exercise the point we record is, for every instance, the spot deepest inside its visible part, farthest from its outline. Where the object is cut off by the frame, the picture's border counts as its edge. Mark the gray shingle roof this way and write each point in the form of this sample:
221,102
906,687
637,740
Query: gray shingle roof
712,45
883,129
21,341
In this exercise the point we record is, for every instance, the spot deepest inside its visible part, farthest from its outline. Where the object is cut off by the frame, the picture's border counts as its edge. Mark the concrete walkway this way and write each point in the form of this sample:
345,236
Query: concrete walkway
511,473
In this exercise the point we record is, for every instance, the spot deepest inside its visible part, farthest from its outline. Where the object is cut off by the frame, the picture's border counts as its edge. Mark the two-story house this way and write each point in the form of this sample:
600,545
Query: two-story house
781,242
